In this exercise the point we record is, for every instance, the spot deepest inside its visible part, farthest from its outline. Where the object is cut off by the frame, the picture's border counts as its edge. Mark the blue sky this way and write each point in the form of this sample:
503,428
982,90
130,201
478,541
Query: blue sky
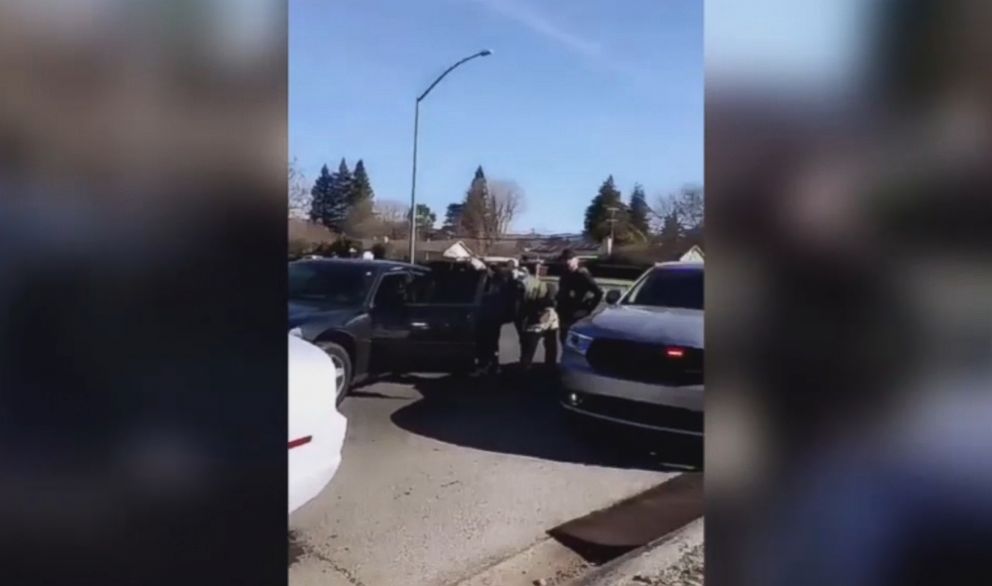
575,90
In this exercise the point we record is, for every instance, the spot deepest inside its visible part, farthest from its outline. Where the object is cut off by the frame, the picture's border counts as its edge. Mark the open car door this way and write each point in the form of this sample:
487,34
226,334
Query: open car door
435,329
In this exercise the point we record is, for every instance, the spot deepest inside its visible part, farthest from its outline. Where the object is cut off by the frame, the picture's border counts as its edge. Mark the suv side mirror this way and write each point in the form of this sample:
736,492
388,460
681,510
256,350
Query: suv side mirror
613,296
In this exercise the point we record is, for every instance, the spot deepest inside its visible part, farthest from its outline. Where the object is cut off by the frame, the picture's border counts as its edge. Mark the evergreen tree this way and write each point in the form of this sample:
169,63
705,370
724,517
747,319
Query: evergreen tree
360,200
337,203
475,210
597,223
425,221
320,195
453,219
639,210
361,187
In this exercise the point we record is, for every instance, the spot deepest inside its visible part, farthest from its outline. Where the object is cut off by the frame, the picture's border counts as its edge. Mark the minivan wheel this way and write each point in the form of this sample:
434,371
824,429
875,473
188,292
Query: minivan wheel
342,367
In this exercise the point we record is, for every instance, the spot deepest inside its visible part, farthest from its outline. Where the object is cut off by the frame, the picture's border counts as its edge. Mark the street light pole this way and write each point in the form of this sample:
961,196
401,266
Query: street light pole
416,128
612,221
413,184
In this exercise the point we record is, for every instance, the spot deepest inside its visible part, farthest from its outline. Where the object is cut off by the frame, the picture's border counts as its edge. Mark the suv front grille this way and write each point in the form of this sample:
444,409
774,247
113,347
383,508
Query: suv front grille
648,363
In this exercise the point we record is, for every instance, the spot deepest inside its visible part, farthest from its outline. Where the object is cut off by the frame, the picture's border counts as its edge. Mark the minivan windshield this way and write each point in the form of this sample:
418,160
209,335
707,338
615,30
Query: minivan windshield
329,282
669,287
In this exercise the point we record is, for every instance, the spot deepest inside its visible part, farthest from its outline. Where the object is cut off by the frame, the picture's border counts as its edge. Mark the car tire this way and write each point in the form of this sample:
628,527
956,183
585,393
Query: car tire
342,364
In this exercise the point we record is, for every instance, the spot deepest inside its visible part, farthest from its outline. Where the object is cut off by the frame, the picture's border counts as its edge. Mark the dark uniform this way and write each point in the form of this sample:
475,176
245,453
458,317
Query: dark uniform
499,306
578,296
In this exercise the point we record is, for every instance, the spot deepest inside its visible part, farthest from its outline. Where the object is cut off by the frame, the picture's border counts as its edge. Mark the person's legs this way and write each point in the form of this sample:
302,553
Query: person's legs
521,337
493,345
563,327
527,348
484,347
551,347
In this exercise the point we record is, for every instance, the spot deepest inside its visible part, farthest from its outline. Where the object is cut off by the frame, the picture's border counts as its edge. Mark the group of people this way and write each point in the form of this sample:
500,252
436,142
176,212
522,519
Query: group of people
539,310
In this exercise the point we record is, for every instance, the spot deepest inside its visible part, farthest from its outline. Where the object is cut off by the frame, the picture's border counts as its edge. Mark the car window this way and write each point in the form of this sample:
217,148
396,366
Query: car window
329,282
422,288
392,291
454,286
669,287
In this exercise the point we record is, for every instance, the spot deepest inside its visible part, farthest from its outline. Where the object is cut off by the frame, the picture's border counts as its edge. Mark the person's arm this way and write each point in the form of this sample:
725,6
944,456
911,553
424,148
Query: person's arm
592,287
549,299
559,295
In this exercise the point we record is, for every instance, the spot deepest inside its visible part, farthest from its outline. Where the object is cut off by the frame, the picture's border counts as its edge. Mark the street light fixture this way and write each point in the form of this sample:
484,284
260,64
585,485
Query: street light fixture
416,125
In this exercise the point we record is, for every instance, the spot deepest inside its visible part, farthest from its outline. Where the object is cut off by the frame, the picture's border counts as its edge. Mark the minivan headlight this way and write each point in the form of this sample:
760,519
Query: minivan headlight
578,342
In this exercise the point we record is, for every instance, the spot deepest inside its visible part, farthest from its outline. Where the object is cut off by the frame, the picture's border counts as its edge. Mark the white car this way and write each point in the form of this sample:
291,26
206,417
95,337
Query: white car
316,428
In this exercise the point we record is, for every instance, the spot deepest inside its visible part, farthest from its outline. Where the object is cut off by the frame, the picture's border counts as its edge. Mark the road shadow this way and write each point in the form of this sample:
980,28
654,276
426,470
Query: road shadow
513,414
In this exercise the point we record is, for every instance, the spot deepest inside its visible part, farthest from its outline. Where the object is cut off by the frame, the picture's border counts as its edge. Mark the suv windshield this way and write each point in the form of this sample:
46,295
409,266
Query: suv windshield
669,287
330,282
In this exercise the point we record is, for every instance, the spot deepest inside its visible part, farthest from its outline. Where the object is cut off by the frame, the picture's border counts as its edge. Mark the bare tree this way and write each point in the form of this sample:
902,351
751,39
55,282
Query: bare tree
393,217
691,207
361,221
506,202
664,206
687,205
391,210
299,192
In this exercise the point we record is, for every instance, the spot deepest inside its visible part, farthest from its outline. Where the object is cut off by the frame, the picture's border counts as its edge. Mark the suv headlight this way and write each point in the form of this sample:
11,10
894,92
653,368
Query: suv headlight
297,331
578,342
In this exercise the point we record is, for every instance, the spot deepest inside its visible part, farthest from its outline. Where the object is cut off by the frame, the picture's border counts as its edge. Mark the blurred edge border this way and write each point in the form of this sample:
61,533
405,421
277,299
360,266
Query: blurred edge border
142,292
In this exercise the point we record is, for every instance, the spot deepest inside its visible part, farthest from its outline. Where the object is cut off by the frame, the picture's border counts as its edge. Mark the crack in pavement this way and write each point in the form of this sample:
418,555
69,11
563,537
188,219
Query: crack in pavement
298,548
350,577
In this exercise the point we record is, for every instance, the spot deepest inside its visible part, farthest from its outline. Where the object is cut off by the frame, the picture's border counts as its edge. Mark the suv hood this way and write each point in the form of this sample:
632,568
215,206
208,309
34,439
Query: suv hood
640,323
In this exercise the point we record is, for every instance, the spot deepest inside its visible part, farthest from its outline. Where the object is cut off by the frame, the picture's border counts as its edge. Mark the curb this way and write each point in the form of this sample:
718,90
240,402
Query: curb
650,559
546,561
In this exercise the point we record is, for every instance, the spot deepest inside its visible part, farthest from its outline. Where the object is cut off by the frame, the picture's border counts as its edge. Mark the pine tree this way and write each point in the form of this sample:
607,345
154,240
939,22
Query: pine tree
475,210
361,187
425,221
320,195
453,219
597,223
336,205
360,201
639,210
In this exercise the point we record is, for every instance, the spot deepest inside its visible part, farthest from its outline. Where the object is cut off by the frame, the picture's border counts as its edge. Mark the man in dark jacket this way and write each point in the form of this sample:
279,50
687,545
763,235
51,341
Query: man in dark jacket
489,324
578,293
500,305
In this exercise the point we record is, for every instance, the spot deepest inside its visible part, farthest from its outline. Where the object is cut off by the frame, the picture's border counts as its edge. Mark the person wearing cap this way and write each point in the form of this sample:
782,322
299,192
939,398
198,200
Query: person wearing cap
578,293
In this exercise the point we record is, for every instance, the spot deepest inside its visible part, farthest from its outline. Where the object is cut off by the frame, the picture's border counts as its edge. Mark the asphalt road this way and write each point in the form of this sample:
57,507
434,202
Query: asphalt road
442,477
